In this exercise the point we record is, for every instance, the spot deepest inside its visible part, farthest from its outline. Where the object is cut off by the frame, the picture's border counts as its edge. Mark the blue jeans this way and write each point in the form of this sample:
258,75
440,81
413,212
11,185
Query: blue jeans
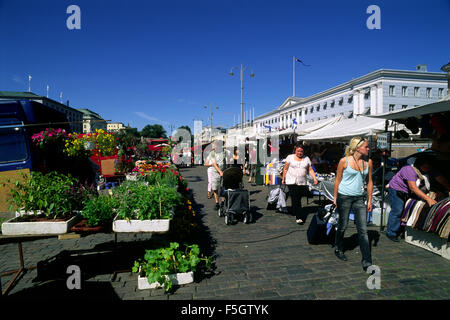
397,204
355,203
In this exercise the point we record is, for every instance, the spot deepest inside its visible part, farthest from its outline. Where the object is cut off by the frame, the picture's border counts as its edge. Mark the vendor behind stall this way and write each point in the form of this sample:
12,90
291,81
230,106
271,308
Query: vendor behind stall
409,181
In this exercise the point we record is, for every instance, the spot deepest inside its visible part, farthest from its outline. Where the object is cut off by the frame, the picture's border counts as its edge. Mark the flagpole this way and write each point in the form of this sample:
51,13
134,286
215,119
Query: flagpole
293,76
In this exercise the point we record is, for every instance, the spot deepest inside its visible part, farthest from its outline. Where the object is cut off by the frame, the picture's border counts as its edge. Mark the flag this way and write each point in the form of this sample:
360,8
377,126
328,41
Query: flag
294,123
268,127
297,59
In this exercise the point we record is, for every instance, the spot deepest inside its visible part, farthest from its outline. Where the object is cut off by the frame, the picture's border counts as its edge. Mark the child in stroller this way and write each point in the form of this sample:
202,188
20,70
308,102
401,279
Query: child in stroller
236,199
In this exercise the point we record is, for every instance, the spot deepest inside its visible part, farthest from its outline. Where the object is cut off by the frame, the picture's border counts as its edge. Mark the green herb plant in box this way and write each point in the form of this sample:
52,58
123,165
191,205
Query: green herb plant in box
160,265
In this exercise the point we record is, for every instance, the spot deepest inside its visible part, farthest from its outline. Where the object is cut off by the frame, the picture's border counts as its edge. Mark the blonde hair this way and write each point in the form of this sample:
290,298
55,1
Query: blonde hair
354,143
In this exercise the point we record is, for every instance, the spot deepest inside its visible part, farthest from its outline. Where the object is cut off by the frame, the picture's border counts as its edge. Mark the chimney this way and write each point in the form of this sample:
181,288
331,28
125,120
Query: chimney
67,103
422,68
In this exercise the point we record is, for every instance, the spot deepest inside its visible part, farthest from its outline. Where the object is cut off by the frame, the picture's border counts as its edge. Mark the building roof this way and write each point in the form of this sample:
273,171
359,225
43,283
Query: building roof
30,95
87,112
360,81
14,94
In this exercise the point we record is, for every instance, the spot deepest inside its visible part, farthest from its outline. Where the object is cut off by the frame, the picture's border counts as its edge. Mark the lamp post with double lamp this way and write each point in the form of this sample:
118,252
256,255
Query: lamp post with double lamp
243,68
210,119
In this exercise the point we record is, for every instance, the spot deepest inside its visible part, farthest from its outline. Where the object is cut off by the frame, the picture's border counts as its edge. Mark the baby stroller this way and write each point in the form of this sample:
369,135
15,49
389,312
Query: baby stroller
237,200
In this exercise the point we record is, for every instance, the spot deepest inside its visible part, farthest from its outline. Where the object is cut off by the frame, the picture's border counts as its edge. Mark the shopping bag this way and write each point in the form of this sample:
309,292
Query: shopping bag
317,232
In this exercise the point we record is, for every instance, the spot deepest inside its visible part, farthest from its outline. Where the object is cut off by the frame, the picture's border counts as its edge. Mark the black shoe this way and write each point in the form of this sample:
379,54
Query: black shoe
366,265
217,206
340,255
395,239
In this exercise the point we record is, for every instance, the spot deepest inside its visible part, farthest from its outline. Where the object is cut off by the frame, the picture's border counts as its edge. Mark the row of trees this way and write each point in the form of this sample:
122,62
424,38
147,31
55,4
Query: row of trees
151,131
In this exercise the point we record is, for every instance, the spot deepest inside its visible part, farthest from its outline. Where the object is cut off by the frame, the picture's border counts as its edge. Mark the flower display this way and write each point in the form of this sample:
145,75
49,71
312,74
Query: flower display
77,144
101,143
49,136
106,143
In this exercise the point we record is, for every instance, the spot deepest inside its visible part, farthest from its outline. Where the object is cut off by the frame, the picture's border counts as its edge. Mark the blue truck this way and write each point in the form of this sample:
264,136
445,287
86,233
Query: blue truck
19,120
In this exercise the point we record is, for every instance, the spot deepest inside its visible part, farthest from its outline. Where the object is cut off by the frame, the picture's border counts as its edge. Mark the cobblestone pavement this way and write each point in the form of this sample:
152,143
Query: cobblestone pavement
269,259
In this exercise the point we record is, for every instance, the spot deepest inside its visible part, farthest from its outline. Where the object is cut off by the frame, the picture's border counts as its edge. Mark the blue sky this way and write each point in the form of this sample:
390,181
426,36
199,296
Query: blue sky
147,62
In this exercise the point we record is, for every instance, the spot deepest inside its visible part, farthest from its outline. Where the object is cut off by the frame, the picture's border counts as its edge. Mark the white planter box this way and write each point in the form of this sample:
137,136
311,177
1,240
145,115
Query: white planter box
177,279
428,241
156,225
11,227
131,177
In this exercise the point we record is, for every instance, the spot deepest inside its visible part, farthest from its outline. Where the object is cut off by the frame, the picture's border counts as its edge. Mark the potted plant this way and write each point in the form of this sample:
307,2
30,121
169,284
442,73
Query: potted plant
97,214
169,266
47,204
144,208
184,226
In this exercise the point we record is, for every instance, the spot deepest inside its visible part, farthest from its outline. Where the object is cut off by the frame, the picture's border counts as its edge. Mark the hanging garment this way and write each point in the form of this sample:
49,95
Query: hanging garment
407,210
413,216
434,214
445,232
438,216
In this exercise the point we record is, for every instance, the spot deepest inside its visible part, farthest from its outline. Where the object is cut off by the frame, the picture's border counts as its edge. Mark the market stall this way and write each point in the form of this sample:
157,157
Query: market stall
429,227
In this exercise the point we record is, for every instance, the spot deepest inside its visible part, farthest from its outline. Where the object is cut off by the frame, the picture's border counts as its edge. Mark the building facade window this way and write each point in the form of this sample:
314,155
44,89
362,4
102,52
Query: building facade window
428,92
404,106
440,92
391,107
391,91
416,91
404,92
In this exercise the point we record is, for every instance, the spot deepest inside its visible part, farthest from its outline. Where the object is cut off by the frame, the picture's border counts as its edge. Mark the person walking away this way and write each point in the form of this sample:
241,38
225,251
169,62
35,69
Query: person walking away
296,168
351,175
210,169
401,187
218,163
235,159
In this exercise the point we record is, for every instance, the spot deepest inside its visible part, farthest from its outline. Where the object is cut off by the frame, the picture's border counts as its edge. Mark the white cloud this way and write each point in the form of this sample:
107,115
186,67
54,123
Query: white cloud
18,79
143,115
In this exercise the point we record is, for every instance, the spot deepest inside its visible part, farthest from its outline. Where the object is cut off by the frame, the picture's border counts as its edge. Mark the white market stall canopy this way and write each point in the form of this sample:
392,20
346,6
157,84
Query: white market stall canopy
346,128
436,107
308,128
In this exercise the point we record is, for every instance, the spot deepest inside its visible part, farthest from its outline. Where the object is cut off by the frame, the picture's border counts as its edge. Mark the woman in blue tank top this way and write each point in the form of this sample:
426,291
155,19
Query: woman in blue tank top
351,174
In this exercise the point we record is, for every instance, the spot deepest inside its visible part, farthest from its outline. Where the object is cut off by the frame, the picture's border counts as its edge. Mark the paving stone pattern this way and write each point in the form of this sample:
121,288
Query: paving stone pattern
269,259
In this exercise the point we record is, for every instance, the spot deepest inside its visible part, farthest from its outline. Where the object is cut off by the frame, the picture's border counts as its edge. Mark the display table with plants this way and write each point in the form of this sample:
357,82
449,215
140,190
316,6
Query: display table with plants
47,204
97,215
169,266
143,208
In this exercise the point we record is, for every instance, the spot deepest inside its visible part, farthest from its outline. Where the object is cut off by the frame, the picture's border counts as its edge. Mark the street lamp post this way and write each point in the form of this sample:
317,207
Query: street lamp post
242,90
210,119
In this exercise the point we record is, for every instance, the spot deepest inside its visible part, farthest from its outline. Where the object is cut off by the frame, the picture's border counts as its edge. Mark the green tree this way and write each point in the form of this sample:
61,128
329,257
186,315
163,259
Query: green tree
190,133
153,131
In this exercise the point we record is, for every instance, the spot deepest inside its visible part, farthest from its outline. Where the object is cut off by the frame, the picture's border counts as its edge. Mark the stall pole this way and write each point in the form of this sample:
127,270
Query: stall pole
383,162
382,192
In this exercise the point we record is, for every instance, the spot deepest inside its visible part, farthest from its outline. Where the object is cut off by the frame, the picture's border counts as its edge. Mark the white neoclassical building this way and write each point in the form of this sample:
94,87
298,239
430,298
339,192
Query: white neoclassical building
378,92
